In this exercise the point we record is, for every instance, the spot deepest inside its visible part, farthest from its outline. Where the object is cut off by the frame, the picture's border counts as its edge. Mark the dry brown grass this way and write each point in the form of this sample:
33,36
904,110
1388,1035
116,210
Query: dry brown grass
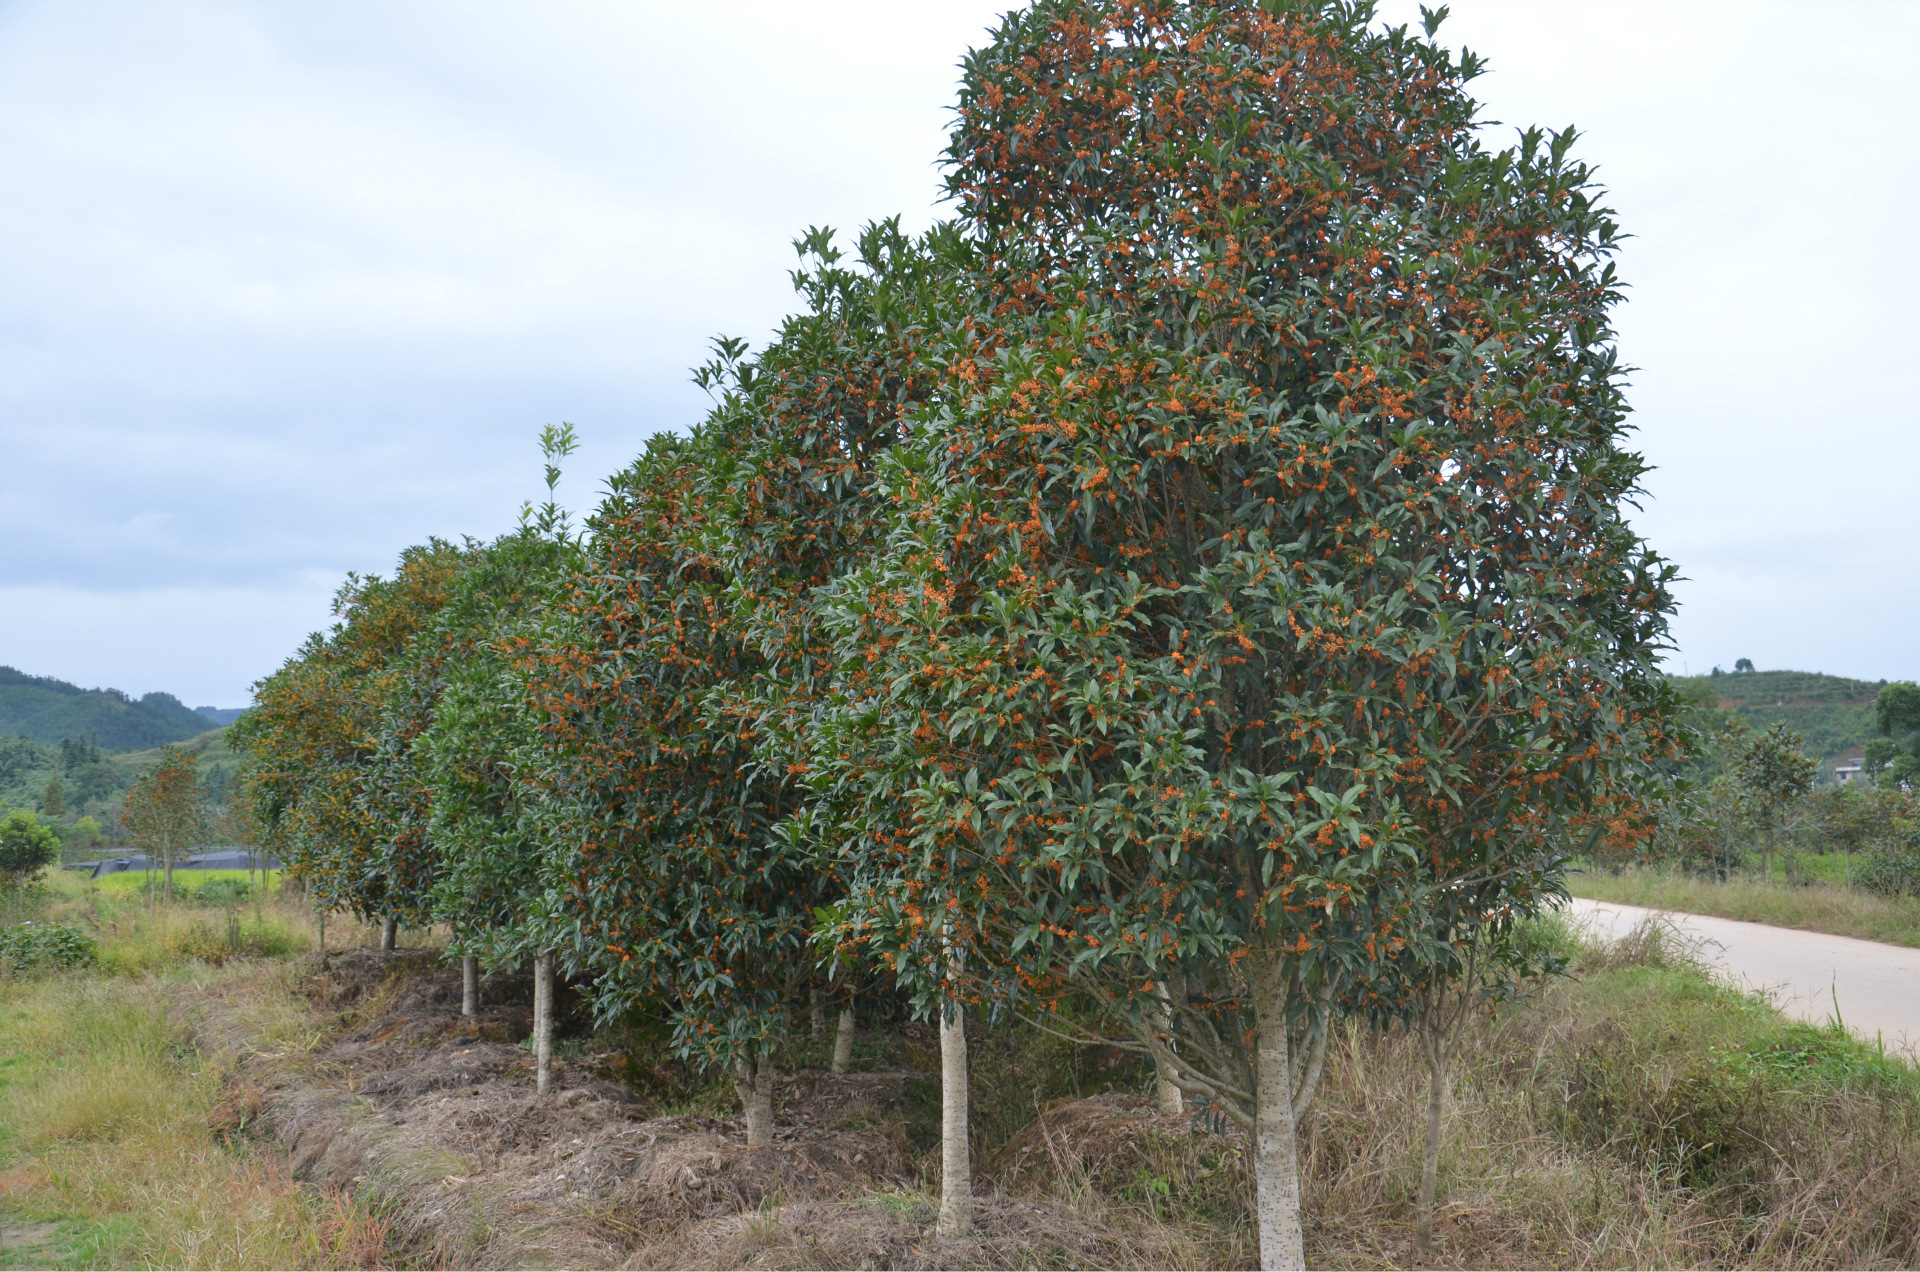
1634,1116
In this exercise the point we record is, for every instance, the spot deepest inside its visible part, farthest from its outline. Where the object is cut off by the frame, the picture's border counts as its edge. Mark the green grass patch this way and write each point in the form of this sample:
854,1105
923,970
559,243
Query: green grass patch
107,1158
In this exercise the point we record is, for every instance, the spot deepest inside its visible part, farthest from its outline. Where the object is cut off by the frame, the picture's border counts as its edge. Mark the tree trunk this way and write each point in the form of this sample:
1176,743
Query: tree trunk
753,1083
1276,1162
169,878
1167,1096
843,1040
542,1021
1430,1168
322,922
956,1162
389,932
469,985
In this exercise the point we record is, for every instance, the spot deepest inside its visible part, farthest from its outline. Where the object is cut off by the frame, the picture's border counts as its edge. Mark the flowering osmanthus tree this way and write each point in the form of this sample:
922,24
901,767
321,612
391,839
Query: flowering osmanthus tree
816,414
466,849
313,735
682,894
461,734
689,658
1261,574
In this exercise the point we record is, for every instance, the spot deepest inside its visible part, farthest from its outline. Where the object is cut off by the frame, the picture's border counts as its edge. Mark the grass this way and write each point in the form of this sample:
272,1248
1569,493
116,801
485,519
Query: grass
1812,907
118,1147
1636,1114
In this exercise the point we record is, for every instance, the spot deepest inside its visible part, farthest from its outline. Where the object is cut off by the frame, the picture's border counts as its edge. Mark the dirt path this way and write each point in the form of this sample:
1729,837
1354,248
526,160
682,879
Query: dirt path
1876,987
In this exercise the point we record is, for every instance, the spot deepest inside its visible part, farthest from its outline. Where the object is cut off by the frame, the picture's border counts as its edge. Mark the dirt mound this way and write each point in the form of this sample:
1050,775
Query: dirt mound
1100,1137
889,1230
432,1116
344,978
447,1065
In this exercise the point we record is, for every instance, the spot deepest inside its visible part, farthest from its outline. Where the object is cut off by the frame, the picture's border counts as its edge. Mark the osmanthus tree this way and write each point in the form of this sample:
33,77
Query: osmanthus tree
1773,774
681,896
817,411
688,656
313,736
478,754
1259,590
467,849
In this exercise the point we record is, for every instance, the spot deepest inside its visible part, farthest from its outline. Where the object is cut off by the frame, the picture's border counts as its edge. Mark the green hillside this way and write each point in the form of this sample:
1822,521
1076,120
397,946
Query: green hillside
47,710
212,757
1834,714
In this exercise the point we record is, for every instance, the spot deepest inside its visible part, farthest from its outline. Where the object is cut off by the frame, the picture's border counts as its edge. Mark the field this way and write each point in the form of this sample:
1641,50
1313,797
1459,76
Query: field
1820,905
193,1100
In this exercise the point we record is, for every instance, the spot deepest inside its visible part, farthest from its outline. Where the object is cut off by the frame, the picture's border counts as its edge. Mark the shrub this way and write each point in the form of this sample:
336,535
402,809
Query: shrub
28,947
1891,868
223,892
216,944
26,847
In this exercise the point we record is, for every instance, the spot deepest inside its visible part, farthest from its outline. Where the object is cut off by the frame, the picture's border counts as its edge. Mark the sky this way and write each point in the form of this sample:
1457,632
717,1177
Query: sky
285,288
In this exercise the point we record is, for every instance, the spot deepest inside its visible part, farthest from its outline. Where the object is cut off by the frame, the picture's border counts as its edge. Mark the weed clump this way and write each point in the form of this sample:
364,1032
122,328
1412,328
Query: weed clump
30,947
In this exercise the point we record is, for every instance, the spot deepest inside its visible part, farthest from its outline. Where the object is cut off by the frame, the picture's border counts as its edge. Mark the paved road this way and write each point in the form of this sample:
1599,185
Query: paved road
1878,986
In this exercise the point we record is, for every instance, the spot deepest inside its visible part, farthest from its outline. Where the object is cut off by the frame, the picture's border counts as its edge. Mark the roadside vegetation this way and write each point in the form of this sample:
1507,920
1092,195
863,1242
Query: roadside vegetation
1630,1113
1810,906
113,1149
1752,834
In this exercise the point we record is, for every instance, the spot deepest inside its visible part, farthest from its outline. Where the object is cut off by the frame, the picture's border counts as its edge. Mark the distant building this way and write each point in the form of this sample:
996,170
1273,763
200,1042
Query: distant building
1850,771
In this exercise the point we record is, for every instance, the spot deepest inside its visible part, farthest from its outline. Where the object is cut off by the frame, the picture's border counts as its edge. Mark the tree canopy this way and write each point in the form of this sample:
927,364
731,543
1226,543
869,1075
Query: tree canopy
26,847
1195,579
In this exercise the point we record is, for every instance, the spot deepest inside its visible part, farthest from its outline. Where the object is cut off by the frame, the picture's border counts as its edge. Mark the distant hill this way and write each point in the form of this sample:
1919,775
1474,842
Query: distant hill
1834,714
220,717
49,710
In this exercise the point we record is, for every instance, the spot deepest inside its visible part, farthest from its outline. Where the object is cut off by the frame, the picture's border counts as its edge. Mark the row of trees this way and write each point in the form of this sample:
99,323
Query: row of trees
1184,598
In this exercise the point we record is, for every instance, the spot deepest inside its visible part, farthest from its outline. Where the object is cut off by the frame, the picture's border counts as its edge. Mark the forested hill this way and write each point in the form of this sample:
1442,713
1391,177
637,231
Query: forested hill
48,710
1834,714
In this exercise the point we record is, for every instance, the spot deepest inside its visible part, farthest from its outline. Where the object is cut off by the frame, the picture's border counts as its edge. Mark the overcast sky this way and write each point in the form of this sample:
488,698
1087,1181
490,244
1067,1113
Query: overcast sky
285,288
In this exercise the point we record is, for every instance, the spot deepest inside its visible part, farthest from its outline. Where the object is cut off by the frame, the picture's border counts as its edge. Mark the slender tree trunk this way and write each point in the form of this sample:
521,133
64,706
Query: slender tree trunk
956,1162
542,1021
169,878
469,985
753,1083
1430,1168
389,932
843,1040
1167,1096
1276,1161
322,923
